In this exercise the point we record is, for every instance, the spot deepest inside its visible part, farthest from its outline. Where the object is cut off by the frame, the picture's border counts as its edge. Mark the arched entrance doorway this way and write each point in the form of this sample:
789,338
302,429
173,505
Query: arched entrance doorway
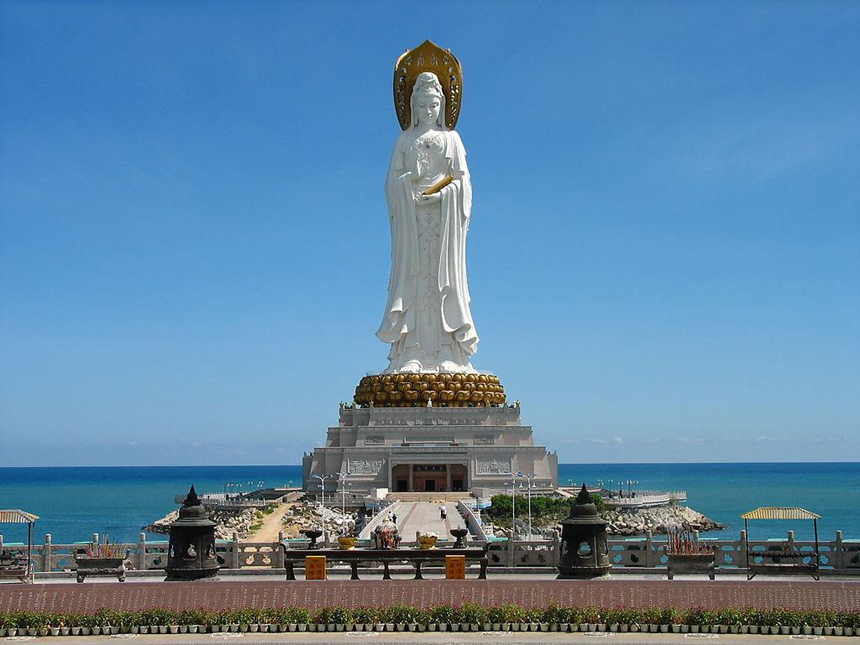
429,478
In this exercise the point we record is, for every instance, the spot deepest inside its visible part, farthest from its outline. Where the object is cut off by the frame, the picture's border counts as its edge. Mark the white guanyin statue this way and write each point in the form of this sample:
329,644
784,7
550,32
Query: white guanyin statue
427,317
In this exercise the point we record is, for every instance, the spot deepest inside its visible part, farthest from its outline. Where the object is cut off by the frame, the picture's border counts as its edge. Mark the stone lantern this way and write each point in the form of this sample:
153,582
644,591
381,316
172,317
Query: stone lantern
584,550
191,555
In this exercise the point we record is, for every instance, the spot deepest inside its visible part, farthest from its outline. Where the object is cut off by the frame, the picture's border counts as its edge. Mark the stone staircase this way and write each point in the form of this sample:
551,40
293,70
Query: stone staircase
429,497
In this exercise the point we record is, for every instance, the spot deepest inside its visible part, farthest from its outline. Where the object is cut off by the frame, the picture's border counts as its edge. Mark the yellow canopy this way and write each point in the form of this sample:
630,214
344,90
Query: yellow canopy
780,513
15,516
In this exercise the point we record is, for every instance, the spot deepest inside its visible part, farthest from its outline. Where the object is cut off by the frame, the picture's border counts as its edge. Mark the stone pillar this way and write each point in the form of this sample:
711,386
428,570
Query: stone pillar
791,541
234,564
141,552
47,552
95,539
742,556
649,549
510,557
411,484
838,554
448,478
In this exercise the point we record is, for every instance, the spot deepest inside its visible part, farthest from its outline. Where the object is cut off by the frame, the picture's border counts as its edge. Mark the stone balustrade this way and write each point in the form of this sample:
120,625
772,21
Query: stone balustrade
630,554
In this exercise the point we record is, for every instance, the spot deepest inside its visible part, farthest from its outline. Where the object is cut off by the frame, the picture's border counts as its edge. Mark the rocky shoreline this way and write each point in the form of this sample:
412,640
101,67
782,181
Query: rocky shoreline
296,517
658,520
228,522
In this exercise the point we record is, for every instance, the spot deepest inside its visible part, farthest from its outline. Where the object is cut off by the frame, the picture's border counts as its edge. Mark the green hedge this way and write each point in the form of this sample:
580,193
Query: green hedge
466,613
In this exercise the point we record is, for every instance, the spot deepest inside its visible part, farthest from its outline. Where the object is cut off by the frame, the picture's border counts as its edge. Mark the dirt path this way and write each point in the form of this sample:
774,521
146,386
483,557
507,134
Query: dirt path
271,526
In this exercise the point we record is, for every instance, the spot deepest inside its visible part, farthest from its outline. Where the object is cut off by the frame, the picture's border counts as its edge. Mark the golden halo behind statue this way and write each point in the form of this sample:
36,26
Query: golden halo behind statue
428,57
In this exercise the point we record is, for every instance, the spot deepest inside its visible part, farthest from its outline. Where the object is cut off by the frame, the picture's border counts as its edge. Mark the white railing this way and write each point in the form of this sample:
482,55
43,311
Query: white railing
629,554
645,498
473,521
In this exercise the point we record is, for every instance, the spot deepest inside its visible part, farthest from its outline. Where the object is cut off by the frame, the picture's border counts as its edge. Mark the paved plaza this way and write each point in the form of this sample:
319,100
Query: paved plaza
425,517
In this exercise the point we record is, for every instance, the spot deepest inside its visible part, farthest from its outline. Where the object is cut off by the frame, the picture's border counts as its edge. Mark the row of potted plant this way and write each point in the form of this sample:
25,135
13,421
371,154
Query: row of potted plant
466,617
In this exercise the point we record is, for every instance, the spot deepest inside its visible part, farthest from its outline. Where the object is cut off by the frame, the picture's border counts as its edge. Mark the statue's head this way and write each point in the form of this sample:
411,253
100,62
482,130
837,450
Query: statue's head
428,101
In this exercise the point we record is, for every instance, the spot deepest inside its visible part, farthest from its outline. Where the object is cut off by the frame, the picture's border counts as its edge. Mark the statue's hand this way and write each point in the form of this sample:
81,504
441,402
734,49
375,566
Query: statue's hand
429,199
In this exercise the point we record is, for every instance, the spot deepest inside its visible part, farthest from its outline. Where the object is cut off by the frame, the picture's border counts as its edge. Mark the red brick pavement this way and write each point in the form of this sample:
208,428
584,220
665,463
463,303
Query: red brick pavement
86,597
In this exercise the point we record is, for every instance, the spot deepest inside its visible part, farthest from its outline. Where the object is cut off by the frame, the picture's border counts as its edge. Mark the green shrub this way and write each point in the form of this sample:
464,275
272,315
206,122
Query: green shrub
698,616
192,617
593,615
469,612
728,616
30,620
154,617
333,616
555,613
671,616
651,616
366,615
295,615
401,614
752,616
108,617
444,615
230,617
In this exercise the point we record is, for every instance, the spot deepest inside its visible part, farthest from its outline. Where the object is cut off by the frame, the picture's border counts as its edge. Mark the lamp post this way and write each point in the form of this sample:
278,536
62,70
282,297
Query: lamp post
529,480
322,479
342,478
513,504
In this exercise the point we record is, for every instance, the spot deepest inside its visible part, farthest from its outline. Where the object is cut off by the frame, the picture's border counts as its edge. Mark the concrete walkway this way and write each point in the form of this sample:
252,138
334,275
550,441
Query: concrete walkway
425,517
272,525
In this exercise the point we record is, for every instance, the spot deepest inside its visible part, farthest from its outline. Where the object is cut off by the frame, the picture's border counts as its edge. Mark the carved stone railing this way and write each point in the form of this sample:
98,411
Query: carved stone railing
476,529
383,513
645,499
628,554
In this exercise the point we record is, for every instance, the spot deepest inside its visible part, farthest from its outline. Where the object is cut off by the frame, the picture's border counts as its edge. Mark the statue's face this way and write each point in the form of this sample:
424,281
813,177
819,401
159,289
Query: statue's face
427,109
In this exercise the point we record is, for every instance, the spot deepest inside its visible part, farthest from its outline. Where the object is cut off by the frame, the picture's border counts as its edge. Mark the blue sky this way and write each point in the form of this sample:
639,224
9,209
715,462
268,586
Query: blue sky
664,256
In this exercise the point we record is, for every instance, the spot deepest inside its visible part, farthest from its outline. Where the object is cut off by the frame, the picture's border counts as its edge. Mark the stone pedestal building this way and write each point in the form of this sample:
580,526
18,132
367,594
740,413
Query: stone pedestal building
430,449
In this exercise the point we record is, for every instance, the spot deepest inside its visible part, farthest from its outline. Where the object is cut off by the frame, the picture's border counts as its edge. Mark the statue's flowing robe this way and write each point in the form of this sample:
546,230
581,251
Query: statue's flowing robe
401,316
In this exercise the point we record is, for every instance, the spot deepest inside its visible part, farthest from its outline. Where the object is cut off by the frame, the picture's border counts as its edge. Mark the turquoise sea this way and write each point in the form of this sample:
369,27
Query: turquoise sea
75,502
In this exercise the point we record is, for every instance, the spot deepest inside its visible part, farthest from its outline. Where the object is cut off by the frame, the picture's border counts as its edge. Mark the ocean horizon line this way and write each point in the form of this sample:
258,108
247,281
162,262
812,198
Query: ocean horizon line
561,463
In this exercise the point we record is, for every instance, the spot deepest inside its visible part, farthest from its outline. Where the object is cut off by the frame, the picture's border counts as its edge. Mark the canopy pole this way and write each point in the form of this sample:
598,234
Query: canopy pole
817,555
30,575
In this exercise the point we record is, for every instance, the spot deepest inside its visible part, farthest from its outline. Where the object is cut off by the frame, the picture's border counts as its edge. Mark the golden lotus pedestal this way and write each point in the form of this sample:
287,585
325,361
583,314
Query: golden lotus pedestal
417,390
